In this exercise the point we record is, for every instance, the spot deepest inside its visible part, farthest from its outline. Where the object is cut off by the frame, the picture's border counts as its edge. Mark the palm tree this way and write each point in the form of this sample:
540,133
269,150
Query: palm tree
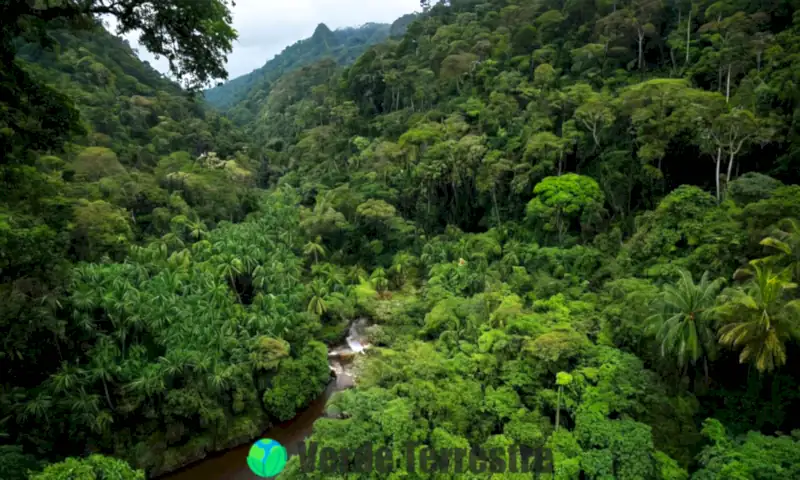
260,277
319,291
217,292
85,408
401,263
67,378
787,241
683,320
511,256
173,240
433,253
758,320
251,257
104,365
314,248
100,422
378,278
84,298
231,266
219,378
197,230
356,273
149,382
175,362
331,274
38,407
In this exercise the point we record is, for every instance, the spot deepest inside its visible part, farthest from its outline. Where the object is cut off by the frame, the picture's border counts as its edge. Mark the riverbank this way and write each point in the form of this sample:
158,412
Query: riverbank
230,462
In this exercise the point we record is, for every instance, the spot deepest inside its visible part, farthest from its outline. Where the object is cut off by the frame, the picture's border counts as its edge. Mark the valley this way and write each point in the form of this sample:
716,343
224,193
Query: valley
571,227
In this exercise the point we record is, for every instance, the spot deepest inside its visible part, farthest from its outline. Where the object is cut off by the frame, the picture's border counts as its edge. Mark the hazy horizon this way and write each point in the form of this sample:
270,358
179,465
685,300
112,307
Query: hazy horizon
266,28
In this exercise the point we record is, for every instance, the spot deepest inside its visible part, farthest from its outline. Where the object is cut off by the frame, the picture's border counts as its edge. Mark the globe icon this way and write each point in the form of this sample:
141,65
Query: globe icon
266,458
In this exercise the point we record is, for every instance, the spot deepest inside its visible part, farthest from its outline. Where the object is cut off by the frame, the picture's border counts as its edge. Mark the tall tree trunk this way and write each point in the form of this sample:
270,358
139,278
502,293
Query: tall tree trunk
108,397
719,160
688,34
730,169
641,42
233,286
672,60
429,202
496,210
728,87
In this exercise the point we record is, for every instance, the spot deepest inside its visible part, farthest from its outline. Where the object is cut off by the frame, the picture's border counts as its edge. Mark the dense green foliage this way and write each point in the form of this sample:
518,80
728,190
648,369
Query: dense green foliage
93,468
114,357
573,225
554,193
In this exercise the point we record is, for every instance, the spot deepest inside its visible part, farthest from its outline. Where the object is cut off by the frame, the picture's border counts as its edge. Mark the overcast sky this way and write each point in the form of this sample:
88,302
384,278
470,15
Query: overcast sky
268,26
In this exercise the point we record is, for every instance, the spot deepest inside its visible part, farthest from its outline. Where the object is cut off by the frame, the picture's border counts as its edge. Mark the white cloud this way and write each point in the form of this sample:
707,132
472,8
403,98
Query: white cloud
267,26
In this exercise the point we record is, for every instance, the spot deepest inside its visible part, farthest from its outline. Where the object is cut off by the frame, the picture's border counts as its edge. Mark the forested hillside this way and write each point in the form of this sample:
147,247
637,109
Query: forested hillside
342,46
572,225
581,224
127,324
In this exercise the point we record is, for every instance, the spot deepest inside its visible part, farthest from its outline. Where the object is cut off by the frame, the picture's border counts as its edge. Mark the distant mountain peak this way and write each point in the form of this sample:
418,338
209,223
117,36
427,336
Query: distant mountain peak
322,29
343,46
323,34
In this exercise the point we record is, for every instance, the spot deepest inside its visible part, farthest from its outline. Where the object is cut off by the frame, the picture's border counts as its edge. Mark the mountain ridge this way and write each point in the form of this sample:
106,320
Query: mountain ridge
344,45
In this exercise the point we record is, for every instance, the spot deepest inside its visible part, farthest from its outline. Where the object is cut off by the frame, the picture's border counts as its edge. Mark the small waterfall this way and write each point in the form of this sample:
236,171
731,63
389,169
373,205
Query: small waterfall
355,340
354,344
341,359
356,335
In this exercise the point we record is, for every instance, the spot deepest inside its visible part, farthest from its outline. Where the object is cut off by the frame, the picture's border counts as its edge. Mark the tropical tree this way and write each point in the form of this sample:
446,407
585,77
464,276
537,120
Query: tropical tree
402,264
317,303
561,200
562,379
379,279
314,249
757,318
230,266
786,240
95,466
104,366
683,320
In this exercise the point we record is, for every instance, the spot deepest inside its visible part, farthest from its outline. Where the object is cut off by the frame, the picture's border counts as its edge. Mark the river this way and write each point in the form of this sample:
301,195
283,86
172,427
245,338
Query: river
232,464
